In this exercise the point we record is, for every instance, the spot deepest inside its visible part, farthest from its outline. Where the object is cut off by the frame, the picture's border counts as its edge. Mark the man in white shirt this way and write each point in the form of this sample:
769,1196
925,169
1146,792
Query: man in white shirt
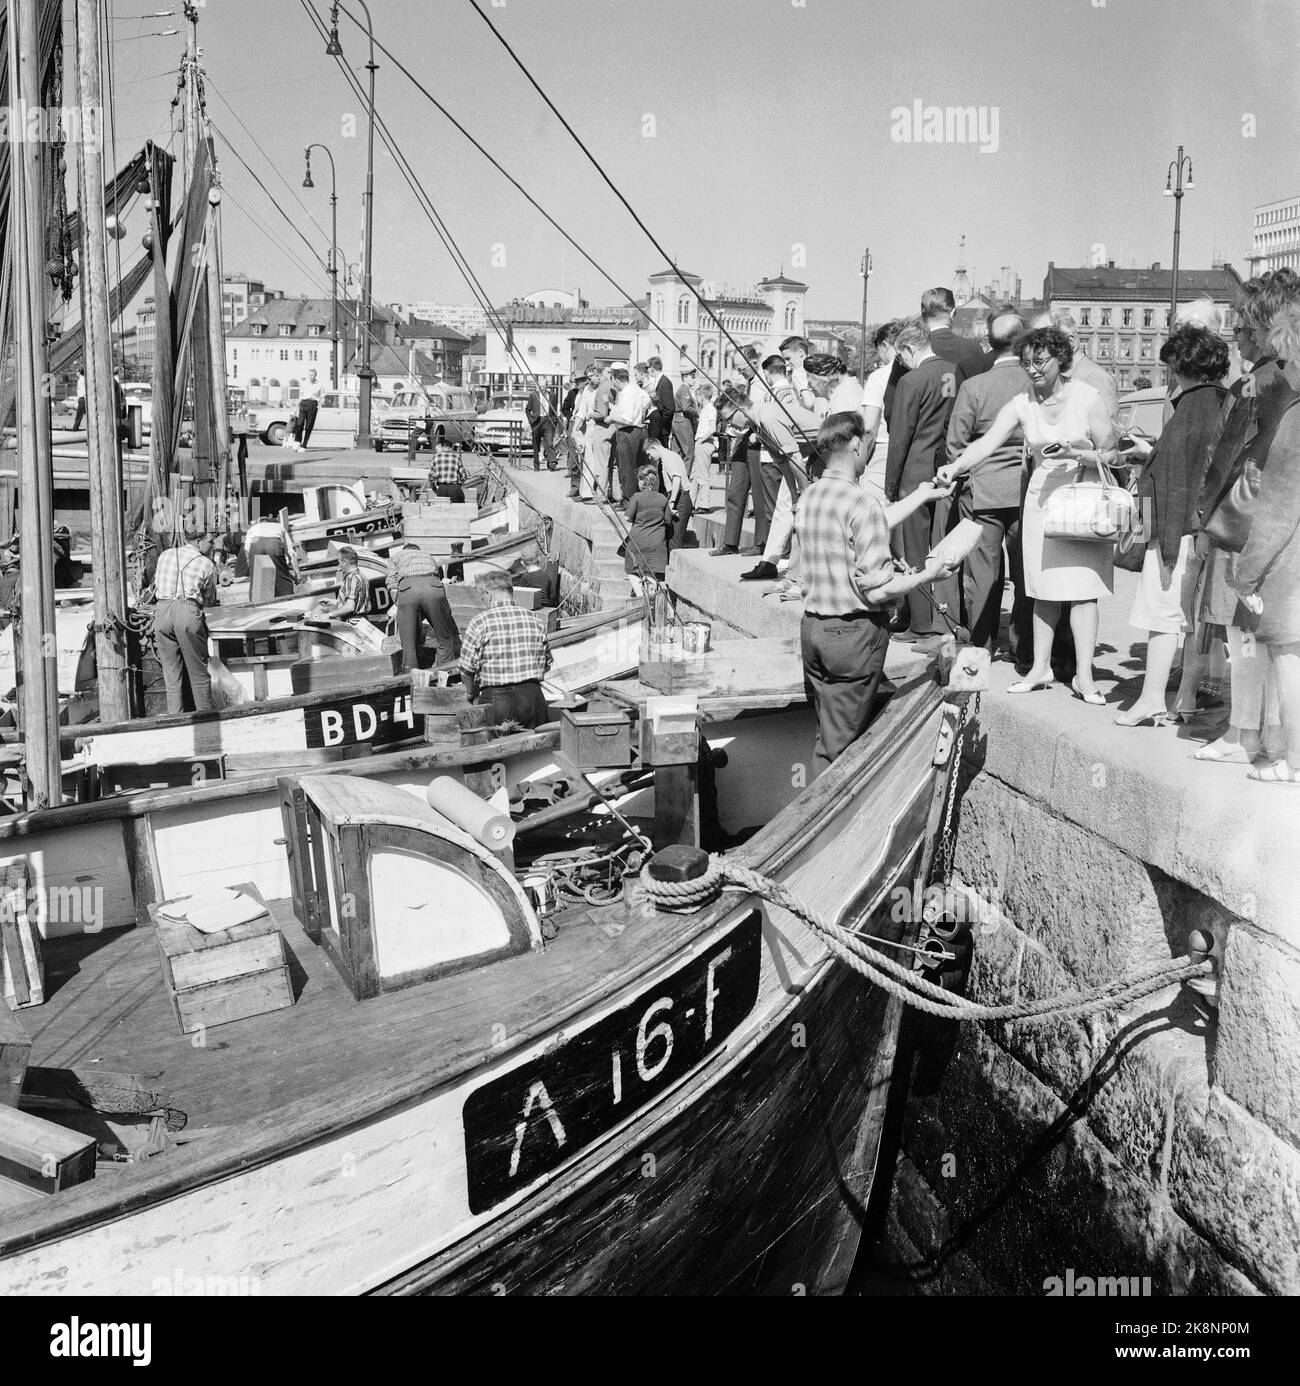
582,410
706,446
309,398
627,416
81,403
795,352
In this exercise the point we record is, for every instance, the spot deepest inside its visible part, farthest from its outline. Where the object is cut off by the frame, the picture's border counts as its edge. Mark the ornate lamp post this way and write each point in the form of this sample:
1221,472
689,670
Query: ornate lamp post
334,258
1175,188
335,50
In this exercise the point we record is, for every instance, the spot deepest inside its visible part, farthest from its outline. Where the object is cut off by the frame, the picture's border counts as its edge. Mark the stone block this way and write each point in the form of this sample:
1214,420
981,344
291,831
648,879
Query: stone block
1257,1056
1238,1185
1092,907
1016,748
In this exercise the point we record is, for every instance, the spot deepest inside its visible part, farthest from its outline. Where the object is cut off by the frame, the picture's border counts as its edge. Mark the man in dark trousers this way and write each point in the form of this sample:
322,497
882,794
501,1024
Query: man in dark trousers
505,656
937,308
540,413
992,492
745,465
659,422
415,582
917,449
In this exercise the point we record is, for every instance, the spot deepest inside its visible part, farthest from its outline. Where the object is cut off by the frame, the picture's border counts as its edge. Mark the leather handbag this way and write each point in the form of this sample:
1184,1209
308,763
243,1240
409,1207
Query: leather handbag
1131,548
1229,523
1093,511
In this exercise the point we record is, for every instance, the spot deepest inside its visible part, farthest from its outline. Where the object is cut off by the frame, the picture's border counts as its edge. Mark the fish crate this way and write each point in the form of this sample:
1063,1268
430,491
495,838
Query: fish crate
597,738
213,979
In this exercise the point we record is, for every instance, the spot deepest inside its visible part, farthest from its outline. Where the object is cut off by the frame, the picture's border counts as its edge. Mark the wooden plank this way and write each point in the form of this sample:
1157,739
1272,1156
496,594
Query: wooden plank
735,669
44,1156
22,966
15,1052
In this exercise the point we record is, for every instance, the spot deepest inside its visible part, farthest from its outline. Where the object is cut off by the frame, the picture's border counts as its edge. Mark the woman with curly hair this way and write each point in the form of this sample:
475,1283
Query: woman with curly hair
1066,426
1171,486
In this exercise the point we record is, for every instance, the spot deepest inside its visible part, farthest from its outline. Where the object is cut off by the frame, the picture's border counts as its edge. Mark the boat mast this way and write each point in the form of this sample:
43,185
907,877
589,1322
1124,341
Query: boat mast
215,430
104,460
40,686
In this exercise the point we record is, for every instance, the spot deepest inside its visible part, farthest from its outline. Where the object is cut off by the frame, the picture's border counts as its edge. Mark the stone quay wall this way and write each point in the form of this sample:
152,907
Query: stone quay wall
1161,1141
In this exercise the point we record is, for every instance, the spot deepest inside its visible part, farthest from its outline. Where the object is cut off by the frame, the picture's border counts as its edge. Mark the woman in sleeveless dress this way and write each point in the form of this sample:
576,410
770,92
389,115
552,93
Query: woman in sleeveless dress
1071,415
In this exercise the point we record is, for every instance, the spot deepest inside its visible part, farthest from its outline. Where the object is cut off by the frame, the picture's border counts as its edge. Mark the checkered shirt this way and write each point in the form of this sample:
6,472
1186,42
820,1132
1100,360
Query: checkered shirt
410,563
354,588
843,547
446,469
504,644
184,574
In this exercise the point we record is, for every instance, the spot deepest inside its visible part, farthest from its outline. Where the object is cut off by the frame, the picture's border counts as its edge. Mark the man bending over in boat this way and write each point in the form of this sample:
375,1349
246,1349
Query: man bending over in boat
184,583
269,538
849,584
415,580
505,656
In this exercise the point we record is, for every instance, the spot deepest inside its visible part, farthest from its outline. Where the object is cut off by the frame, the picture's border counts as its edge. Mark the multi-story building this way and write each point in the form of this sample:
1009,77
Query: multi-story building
269,352
1276,242
464,317
146,332
557,342
1123,314
240,296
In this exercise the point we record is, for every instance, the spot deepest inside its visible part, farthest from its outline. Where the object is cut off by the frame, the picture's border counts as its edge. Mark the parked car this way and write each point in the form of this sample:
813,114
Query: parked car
495,427
442,413
139,392
1142,412
338,414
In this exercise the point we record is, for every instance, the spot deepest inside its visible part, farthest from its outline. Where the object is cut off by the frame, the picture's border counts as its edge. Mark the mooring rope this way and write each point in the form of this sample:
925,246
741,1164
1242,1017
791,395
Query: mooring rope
853,949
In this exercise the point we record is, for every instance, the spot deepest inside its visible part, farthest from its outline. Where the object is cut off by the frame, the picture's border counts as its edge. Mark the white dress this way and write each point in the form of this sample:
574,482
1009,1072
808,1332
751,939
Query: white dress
1059,570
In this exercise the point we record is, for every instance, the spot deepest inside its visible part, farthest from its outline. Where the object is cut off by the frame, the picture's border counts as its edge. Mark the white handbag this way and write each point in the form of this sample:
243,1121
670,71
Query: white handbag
1098,511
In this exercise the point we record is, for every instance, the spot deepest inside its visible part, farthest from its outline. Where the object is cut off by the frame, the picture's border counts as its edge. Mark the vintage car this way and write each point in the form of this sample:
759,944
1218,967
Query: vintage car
336,419
503,421
436,413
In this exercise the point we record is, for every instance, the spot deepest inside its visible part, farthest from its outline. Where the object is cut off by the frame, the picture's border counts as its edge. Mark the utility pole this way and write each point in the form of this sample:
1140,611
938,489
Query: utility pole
104,460
866,279
39,694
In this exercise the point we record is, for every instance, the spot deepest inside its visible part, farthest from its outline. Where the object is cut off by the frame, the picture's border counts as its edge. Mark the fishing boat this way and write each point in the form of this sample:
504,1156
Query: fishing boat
495,1071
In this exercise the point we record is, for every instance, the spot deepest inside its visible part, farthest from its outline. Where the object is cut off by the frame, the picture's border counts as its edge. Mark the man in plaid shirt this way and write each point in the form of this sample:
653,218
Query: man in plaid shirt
353,600
184,583
447,473
505,655
415,581
849,582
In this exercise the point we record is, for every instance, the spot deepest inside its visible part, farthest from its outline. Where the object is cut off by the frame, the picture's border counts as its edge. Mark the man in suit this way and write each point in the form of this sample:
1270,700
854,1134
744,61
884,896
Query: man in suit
917,449
937,308
992,496
659,424
540,413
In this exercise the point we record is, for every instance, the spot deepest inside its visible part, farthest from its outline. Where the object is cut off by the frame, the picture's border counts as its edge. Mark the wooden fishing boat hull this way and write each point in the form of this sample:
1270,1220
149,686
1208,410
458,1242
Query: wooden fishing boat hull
731,1147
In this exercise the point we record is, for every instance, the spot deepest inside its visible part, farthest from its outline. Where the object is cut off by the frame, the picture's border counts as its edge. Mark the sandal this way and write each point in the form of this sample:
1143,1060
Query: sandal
1094,698
1280,772
1146,719
1228,753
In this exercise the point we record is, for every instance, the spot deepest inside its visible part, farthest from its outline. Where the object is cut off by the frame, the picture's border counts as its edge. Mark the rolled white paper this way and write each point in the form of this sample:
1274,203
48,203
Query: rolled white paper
471,814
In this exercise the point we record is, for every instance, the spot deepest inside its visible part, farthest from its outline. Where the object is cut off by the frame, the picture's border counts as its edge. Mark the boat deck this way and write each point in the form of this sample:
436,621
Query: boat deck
108,1007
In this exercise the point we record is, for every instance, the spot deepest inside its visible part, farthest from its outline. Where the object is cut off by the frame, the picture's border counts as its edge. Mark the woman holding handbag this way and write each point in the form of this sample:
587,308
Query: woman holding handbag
1267,572
1070,441
1171,486
1256,403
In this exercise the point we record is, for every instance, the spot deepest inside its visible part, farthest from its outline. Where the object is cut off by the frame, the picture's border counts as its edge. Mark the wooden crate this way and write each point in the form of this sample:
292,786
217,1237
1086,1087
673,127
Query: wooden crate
15,1051
735,668
213,979
39,1155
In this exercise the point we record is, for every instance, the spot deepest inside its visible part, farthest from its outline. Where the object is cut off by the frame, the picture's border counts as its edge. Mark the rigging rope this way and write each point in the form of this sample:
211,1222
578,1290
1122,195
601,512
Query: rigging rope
910,988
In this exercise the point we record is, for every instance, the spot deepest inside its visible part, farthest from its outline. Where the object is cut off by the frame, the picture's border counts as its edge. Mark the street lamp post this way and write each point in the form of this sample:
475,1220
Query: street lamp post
1175,187
862,351
335,50
334,258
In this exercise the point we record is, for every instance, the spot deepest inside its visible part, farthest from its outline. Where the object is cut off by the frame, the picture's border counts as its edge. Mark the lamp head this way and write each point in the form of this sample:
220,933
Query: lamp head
334,49
306,182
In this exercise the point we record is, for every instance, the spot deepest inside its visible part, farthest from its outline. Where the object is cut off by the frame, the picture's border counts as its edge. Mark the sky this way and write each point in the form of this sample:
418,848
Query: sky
749,135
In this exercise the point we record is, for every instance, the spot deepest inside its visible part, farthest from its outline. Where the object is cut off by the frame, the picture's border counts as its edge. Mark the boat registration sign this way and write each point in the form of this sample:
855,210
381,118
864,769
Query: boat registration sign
352,721
534,1117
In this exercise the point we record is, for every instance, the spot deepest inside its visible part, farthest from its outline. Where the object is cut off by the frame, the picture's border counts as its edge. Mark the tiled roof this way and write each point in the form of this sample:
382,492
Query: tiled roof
420,329
1102,282
298,313
783,281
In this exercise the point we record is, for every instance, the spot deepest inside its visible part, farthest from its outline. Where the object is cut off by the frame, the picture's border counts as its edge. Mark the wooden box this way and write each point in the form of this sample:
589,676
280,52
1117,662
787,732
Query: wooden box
40,1155
599,738
15,1051
213,979
735,668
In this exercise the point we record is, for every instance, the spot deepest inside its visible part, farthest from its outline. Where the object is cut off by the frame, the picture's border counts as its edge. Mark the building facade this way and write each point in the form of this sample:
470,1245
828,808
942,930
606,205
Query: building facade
1276,240
1123,314
269,352
240,296
468,318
